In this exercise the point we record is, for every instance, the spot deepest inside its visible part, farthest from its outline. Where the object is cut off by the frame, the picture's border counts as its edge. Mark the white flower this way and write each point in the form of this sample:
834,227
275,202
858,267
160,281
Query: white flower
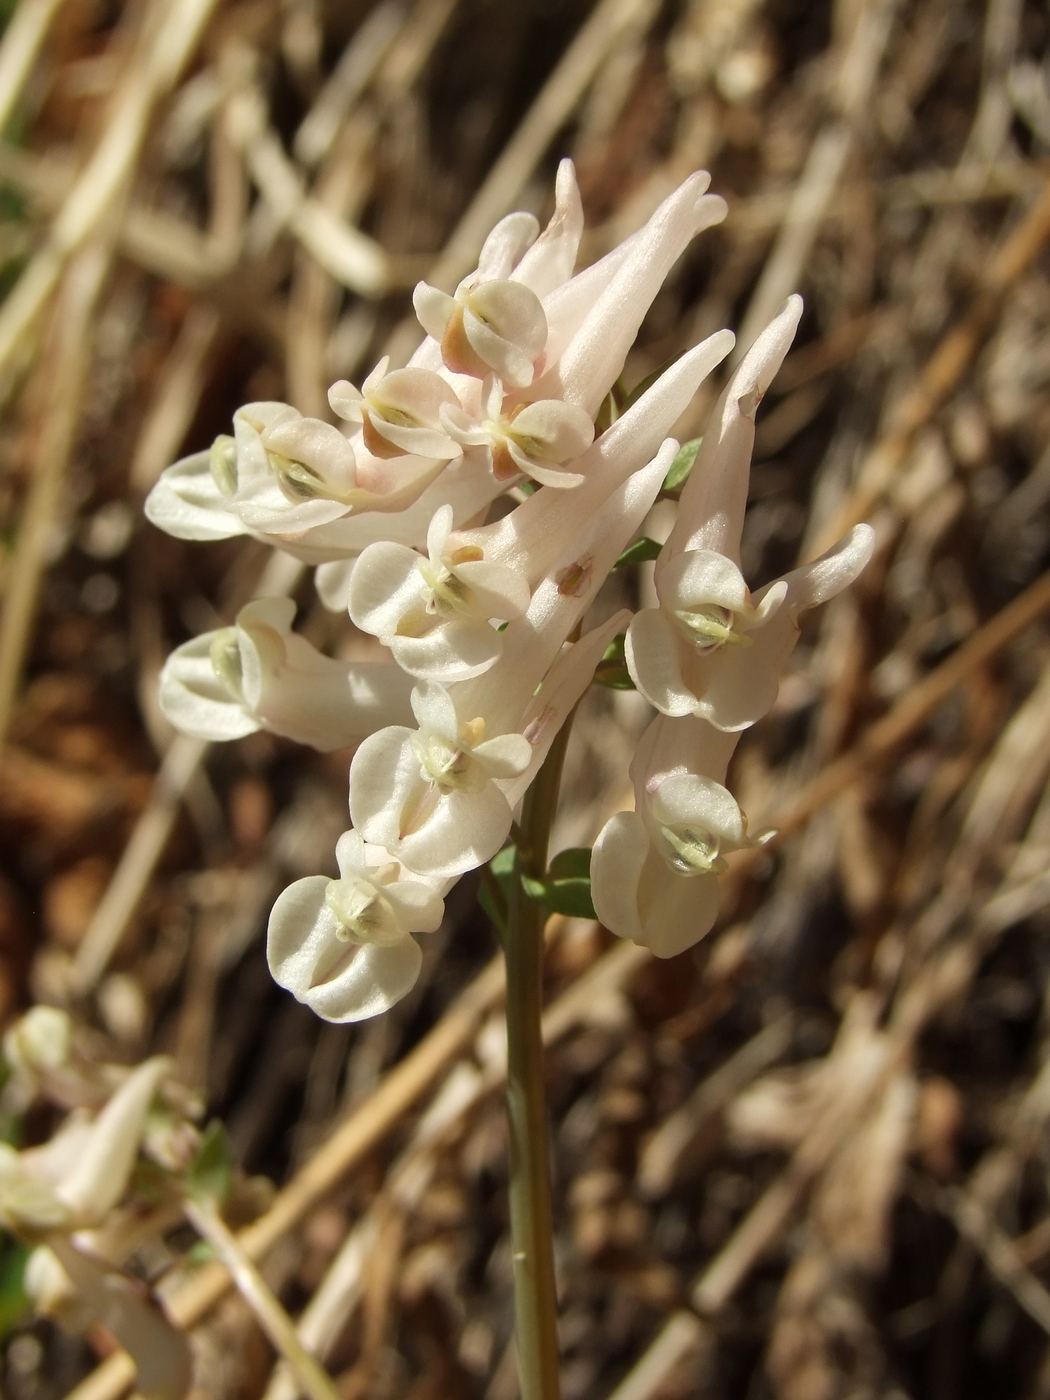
430,795
259,674
282,477
489,326
654,876
281,471
344,947
187,502
714,498
654,871
549,262
545,526
441,797
535,439
531,643
434,613
76,1178
38,1044
447,638
592,320
469,488
399,411
710,650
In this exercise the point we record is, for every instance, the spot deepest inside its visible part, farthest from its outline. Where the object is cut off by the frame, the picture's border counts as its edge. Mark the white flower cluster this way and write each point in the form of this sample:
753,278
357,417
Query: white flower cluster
503,394
64,1197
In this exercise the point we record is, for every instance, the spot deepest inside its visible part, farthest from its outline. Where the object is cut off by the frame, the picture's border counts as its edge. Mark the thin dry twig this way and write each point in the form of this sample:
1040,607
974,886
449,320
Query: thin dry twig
272,1318
348,1144
67,373
942,372
23,37
170,33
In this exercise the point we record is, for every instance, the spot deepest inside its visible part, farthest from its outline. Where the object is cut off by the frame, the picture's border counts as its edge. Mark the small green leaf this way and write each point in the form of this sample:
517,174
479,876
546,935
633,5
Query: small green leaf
566,888
210,1176
682,465
611,670
571,897
574,863
638,553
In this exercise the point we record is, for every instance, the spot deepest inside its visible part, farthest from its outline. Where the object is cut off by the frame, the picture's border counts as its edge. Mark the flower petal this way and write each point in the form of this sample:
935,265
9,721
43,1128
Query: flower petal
499,592
417,906
332,581
676,910
465,830
551,259
679,746
100,1174
453,651
503,248
700,576
827,576
711,509
551,432
587,368
317,445
338,980
195,701
691,799
433,309
186,503
512,313
562,686
300,930
505,755
371,981
736,686
653,654
616,868
385,584
435,710
557,478
345,400
350,855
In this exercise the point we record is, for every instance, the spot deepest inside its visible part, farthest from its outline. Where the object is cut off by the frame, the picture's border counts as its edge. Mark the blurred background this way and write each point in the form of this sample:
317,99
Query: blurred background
806,1160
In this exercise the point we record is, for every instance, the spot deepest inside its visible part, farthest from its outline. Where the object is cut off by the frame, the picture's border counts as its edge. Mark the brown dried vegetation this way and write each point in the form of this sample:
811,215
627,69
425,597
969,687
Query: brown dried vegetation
806,1161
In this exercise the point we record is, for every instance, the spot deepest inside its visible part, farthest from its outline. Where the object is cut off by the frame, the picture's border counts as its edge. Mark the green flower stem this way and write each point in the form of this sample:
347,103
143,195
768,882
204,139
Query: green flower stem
531,1223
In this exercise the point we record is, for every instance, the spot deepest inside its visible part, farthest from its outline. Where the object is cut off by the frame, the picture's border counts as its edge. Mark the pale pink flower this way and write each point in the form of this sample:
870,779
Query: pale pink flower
536,439
434,613
399,412
344,947
654,871
440,797
710,648
259,674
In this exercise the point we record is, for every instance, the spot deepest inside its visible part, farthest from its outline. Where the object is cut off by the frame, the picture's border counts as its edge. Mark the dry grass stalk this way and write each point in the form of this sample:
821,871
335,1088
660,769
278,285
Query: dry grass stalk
903,916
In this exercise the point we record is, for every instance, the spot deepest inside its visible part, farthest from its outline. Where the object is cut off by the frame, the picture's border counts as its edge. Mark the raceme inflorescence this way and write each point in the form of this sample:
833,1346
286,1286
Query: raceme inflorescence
512,394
